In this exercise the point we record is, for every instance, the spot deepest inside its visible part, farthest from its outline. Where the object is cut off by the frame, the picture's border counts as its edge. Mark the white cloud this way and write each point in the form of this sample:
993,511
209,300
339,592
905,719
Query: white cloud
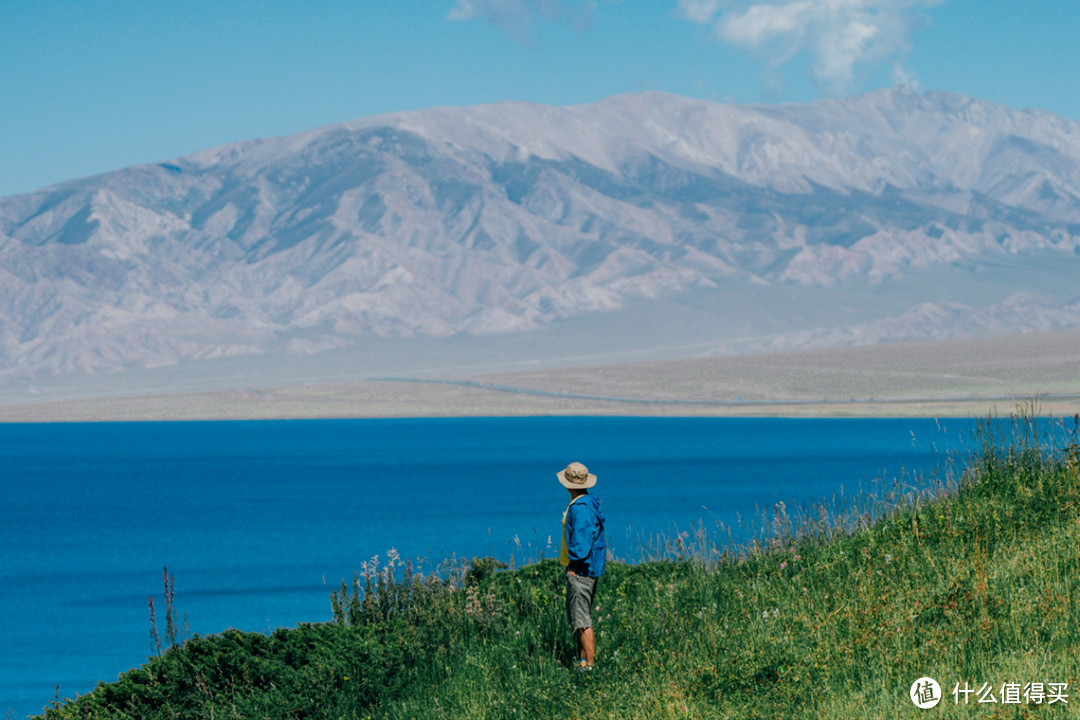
518,16
838,35
700,11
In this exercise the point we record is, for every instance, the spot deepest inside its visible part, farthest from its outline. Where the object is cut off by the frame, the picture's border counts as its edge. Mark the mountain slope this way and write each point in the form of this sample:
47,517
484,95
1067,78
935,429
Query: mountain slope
513,217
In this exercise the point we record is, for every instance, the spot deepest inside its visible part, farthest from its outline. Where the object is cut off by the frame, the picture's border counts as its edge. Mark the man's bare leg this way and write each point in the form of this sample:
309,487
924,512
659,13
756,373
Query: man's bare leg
587,642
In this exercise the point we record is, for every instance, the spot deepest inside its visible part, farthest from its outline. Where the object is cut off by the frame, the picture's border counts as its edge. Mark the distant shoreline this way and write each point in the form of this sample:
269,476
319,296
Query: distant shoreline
740,403
955,378
405,398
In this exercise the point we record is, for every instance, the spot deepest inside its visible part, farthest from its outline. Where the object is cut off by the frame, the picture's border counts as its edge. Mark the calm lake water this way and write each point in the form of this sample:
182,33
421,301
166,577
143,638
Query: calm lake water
259,521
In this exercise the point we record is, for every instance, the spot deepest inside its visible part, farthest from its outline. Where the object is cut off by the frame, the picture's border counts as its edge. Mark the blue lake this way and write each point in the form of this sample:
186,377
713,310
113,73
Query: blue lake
259,521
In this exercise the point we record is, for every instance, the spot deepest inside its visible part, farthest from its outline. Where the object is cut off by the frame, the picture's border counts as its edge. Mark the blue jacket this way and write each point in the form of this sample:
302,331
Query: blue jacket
585,542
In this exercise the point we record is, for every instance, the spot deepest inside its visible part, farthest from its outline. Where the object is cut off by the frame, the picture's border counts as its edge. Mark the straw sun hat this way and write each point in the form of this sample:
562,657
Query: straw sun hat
576,477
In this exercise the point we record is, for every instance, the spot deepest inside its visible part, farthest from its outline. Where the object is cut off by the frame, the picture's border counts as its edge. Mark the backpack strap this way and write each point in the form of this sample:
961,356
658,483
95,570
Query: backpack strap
566,517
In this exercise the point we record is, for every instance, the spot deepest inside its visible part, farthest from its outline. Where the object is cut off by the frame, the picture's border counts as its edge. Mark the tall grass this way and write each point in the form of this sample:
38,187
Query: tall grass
972,577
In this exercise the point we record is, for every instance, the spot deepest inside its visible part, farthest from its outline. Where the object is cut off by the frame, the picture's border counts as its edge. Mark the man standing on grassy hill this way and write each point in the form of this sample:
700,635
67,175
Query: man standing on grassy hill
583,553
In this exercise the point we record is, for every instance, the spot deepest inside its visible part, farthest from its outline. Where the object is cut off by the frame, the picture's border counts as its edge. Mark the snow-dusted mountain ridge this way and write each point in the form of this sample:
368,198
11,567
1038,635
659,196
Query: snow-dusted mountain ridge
877,212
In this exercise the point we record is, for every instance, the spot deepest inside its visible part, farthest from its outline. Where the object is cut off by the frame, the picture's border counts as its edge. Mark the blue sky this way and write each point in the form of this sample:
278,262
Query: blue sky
88,86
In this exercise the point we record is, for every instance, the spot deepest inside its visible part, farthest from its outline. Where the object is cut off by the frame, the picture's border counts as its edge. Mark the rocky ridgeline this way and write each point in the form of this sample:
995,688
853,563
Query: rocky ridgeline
511,217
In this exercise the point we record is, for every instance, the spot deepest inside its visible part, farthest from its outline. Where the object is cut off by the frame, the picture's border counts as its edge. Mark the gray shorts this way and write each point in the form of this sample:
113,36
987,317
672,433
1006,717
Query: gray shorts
580,592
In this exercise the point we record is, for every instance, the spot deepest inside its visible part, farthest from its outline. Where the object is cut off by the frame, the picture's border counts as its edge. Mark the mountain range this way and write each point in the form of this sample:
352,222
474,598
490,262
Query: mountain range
641,225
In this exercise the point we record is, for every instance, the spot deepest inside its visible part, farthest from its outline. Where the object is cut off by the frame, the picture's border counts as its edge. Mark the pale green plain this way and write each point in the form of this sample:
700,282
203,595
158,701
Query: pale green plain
951,378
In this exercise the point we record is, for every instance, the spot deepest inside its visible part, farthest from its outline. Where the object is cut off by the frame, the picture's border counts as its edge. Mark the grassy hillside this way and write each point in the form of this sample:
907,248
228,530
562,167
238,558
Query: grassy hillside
976,581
